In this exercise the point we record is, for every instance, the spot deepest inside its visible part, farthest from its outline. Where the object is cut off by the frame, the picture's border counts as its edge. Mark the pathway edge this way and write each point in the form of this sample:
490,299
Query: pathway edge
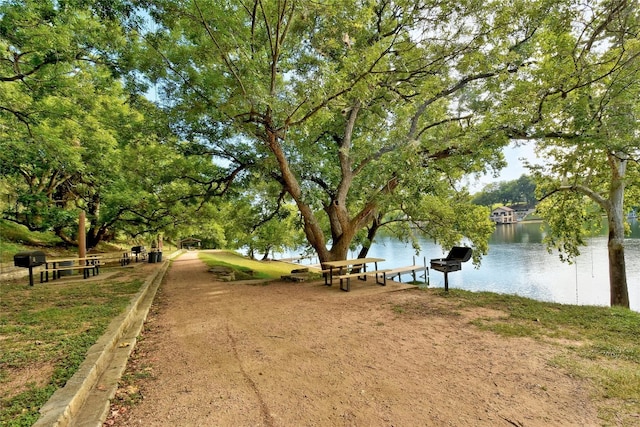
65,404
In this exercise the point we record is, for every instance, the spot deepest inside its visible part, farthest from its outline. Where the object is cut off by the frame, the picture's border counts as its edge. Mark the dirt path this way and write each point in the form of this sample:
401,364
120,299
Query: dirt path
303,354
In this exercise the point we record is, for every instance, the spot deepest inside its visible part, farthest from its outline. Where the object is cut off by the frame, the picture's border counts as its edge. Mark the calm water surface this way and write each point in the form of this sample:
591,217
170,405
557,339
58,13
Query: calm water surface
518,263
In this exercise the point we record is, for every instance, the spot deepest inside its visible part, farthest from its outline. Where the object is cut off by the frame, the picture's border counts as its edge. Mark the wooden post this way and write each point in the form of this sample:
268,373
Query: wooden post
82,236
427,280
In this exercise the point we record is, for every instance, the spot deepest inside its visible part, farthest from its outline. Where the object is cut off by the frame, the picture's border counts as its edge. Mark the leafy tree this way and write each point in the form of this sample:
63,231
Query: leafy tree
585,123
356,110
58,108
72,139
525,191
518,191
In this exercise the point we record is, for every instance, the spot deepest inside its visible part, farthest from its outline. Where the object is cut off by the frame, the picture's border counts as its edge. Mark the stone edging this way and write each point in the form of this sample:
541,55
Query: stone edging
66,402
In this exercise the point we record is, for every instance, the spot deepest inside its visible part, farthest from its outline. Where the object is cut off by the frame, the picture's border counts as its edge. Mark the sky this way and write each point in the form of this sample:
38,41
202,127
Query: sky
512,171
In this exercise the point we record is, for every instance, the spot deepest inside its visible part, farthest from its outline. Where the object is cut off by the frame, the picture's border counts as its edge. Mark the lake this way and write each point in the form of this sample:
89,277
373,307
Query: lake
518,263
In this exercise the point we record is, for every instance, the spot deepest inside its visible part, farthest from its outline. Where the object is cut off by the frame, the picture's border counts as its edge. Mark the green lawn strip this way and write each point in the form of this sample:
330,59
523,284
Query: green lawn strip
16,238
246,268
602,344
48,329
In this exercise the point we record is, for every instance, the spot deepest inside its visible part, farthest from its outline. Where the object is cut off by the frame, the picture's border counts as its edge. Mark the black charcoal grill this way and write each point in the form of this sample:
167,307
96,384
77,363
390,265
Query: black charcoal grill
139,251
453,262
29,260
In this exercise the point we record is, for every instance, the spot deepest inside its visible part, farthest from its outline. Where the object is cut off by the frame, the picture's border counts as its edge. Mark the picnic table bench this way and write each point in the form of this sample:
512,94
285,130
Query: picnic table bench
344,270
413,269
88,265
380,277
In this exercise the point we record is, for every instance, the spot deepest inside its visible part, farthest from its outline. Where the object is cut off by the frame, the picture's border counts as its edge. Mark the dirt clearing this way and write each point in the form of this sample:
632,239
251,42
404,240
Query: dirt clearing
303,354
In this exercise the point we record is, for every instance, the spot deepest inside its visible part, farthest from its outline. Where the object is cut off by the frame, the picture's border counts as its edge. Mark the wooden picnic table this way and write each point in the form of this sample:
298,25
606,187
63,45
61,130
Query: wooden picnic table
345,269
88,264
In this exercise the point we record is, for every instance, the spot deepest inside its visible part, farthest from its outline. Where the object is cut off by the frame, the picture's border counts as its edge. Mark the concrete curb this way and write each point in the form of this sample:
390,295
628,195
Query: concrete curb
65,405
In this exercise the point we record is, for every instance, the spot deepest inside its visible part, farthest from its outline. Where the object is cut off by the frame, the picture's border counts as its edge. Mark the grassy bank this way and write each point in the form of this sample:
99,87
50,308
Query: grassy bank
245,268
45,333
16,238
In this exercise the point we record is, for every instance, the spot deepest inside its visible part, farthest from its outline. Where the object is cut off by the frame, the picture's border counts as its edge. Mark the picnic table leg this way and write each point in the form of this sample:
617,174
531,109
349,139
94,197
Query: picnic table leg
327,277
348,289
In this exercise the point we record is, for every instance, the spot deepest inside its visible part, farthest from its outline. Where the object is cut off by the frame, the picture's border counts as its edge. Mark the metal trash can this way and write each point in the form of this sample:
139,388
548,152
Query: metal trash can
65,272
159,256
153,257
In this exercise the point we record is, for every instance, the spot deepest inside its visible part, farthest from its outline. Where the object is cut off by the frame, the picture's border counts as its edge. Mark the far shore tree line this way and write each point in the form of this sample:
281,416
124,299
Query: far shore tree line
267,124
518,193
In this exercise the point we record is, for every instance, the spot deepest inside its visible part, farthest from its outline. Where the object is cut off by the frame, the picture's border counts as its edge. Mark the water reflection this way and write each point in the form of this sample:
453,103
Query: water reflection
518,263
529,232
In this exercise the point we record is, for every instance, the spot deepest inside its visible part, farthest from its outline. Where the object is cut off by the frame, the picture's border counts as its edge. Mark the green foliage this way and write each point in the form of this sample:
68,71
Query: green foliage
520,192
352,112
349,107
71,137
583,115
570,219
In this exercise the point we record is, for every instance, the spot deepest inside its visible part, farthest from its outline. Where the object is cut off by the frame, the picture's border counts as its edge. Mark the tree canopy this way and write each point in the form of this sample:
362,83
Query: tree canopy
520,192
585,124
73,138
355,110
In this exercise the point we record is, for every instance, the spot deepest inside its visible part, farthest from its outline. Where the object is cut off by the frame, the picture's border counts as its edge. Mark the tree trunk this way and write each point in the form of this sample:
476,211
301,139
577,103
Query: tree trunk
343,226
371,234
615,216
617,275
312,228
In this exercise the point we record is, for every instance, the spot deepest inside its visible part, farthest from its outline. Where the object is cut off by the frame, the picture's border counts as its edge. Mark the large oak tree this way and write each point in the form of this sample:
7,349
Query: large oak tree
362,112
583,106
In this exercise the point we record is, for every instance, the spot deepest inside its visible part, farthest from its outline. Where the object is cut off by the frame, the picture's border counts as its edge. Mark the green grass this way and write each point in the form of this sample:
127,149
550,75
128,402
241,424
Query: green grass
602,344
47,330
246,268
15,238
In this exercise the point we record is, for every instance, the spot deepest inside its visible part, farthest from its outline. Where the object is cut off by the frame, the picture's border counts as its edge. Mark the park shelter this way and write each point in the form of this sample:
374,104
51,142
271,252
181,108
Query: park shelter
189,242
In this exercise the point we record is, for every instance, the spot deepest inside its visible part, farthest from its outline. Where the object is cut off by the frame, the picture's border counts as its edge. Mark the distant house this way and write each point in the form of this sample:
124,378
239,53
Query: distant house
503,215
